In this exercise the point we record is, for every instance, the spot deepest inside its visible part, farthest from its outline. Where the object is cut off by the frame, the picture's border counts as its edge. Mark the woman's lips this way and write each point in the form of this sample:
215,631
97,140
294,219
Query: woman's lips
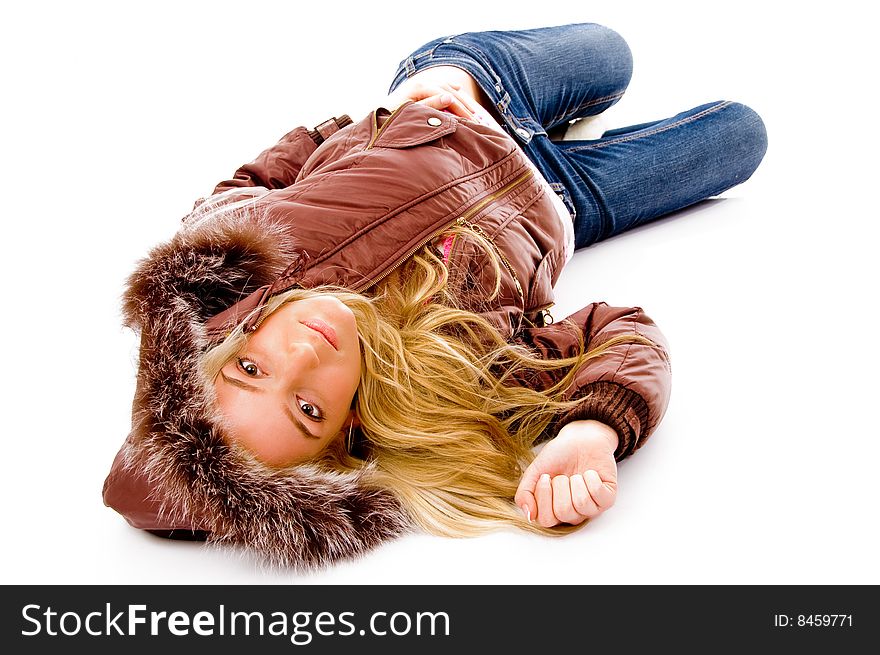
324,330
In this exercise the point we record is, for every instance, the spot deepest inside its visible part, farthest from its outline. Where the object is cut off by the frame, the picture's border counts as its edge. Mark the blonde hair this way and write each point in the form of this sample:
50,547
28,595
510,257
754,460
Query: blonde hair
445,426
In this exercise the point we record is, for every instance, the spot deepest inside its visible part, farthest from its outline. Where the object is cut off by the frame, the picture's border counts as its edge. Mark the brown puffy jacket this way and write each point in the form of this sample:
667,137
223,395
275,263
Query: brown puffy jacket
345,204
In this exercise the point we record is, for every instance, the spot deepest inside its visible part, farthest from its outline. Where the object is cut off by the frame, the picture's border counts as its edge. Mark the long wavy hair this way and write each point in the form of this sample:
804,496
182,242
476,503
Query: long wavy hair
444,425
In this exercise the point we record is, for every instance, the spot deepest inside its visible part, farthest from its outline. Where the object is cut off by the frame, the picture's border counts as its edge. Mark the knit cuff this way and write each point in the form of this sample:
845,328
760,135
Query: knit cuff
323,131
615,405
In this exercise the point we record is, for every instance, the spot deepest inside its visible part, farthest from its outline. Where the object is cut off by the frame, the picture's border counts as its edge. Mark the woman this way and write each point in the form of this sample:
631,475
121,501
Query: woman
351,338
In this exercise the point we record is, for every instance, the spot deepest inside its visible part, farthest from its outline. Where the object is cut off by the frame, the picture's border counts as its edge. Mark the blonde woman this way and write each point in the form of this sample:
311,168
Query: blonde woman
351,338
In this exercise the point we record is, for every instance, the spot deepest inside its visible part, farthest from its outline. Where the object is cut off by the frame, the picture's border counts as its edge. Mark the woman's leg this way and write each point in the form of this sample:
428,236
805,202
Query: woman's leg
534,79
542,78
636,174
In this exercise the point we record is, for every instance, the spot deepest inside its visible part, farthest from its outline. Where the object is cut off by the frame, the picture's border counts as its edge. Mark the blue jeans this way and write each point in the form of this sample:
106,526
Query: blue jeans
541,79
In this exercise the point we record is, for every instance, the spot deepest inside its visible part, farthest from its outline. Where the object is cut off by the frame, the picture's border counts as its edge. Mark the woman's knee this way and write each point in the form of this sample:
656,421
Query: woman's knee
614,52
747,136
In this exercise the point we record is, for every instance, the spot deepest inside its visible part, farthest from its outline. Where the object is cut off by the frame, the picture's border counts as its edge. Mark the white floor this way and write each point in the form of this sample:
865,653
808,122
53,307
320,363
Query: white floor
765,468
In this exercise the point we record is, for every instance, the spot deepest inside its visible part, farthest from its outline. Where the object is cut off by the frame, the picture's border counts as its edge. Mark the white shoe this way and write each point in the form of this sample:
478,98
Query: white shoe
586,129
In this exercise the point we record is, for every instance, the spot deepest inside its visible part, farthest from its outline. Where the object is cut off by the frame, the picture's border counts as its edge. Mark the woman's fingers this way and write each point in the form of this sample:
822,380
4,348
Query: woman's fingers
555,505
438,96
563,508
416,90
581,499
574,499
525,492
562,499
544,496
472,105
603,492
527,502
449,102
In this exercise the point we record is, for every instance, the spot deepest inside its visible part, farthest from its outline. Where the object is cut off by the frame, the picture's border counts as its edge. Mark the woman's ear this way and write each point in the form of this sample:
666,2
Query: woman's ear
353,421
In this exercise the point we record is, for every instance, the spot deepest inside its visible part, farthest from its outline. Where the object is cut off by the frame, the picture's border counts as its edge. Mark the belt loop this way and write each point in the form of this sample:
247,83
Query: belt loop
326,128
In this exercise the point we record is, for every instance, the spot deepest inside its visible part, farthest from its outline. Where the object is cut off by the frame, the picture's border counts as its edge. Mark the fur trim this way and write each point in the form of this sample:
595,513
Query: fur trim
298,517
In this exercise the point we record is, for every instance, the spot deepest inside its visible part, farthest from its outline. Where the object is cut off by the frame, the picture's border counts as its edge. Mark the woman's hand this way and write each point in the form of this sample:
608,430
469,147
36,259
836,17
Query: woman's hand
441,97
574,476
440,87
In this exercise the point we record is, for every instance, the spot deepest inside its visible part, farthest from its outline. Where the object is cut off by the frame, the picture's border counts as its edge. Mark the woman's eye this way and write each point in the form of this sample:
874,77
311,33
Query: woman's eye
248,367
310,410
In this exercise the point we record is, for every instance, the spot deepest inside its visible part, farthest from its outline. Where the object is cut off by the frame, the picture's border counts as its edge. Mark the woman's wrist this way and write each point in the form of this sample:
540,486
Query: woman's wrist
597,427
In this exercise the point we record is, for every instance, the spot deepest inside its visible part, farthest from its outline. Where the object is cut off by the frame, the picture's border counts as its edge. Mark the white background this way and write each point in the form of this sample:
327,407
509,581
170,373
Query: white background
116,117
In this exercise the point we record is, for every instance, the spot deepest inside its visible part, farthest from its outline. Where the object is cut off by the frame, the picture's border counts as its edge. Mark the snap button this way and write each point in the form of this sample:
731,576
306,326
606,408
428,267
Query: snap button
434,121
524,133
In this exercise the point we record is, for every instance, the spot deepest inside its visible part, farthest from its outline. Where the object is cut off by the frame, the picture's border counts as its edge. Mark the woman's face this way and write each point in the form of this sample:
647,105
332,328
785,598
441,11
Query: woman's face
289,393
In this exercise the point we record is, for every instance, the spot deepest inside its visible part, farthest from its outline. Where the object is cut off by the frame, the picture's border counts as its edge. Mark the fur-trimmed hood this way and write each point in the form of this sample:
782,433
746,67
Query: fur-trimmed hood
175,470
343,208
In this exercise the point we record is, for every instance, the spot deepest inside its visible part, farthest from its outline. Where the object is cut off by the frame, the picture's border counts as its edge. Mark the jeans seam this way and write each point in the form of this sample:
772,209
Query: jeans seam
590,103
486,59
658,130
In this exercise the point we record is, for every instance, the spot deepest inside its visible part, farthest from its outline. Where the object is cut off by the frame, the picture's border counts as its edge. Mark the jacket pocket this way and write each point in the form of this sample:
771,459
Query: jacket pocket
410,125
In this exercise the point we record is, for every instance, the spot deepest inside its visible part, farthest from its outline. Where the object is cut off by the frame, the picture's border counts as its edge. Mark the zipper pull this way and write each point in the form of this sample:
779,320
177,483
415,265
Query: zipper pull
547,317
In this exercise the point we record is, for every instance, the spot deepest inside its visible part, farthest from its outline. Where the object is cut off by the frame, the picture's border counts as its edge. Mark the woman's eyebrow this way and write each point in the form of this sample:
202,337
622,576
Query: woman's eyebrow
297,423
287,411
240,384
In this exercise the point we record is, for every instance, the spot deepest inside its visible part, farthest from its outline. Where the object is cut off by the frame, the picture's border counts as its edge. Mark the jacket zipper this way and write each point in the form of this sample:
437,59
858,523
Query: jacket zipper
546,316
494,196
461,220
478,230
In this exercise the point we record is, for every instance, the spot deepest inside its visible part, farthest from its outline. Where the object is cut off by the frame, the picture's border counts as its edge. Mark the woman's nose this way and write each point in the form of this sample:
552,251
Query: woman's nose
302,355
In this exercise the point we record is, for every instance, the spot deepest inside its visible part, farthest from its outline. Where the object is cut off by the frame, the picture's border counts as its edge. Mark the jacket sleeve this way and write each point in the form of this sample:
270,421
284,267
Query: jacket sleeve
277,167
627,387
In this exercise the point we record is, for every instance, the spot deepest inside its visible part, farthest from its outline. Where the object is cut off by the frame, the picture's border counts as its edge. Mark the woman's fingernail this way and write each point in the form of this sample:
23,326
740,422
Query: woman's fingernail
446,99
527,512
545,478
